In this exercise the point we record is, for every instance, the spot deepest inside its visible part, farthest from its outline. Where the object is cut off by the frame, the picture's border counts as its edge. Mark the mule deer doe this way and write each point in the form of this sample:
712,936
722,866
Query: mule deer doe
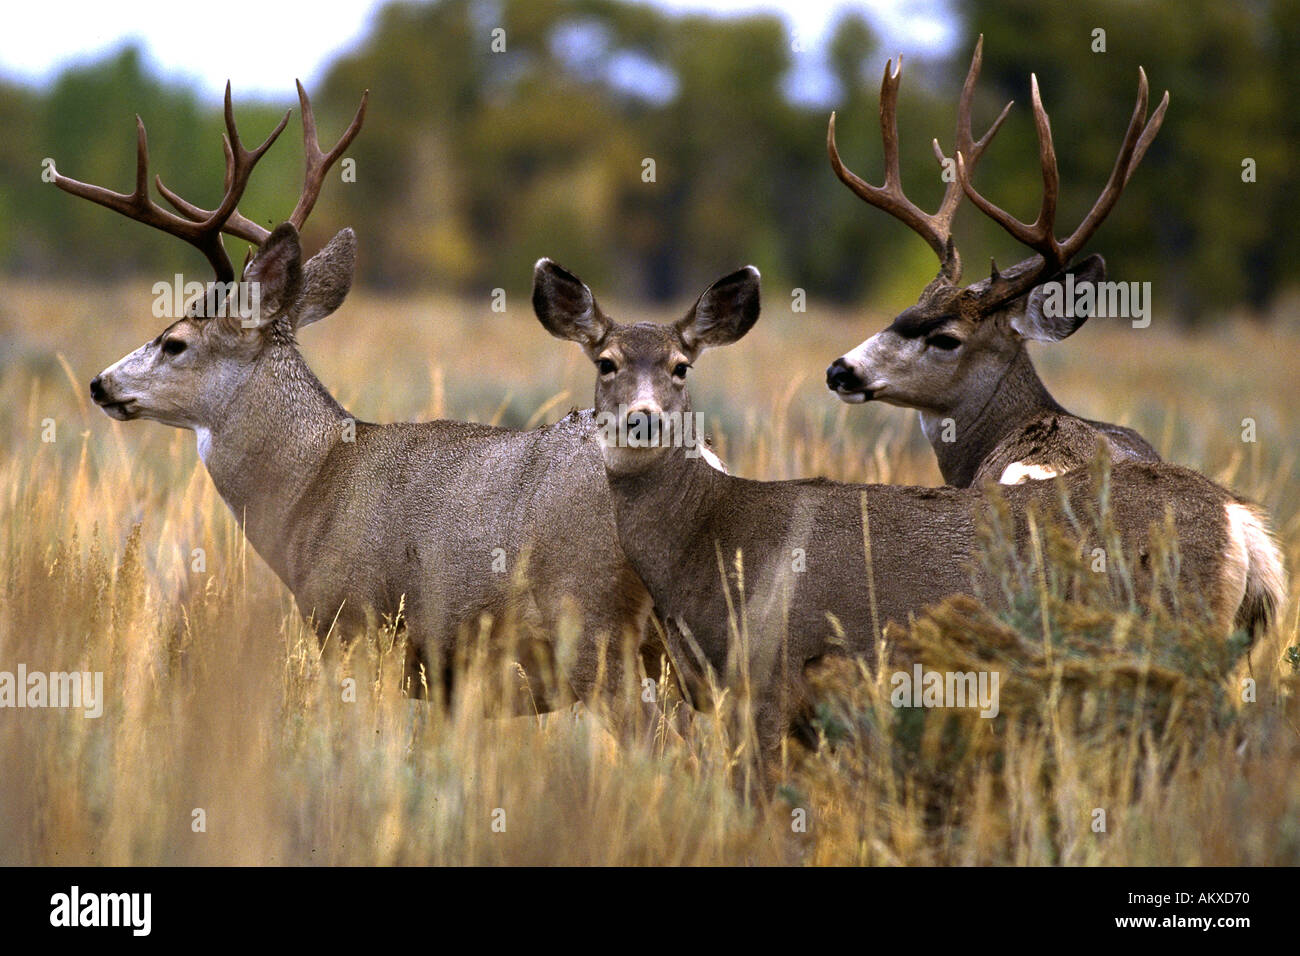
359,518
958,355
763,578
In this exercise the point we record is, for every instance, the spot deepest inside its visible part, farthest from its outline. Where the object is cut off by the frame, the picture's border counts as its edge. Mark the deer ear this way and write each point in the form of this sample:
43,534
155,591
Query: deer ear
565,306
1048,317
277,270
725,312
326,279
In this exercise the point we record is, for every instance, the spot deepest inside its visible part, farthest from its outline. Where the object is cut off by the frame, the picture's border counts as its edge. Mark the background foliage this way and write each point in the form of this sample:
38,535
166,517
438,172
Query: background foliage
473,163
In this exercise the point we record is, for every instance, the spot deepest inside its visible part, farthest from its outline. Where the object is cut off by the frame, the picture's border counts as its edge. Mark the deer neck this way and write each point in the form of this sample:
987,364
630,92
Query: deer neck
964,437
659,512
264,449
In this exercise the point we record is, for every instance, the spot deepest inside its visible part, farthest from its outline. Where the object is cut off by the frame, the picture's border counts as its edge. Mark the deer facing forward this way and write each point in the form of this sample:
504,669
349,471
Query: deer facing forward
760,579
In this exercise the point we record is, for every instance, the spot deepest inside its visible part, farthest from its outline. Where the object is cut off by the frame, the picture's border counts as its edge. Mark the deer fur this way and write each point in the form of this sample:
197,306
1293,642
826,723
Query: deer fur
985,411
360,519
958,354
765,578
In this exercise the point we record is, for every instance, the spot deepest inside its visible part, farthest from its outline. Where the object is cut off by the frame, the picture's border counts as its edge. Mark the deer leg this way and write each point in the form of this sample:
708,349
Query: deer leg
603,665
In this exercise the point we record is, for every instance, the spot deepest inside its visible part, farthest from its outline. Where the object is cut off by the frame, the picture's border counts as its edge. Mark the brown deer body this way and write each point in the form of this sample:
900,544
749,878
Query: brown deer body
959,356
445,524
764,578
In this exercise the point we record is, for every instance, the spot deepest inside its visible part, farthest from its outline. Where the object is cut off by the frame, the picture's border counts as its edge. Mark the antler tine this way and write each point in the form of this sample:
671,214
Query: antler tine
889,197
204,235
966,144
239,168
236,224
1148,134
889,85
1045,224
1038,235
1137,138
976,149
316,162
1041,234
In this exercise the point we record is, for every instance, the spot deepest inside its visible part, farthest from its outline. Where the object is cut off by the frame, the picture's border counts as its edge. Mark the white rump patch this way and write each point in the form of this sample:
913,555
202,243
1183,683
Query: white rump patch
1252,561
1018,471
707,453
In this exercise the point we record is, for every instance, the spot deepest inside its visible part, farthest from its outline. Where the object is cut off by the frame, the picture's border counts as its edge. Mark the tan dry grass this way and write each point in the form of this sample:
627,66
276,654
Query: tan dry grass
219,699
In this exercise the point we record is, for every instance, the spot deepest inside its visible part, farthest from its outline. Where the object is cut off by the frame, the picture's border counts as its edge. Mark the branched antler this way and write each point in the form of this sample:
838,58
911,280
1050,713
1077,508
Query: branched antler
935,228
316,164
1040,235
1053,254
203,231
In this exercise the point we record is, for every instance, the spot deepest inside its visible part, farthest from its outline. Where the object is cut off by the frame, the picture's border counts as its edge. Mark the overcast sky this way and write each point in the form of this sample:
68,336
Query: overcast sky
271,43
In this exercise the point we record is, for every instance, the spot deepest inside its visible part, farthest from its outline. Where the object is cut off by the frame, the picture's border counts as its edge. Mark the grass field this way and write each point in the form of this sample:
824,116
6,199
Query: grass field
218,699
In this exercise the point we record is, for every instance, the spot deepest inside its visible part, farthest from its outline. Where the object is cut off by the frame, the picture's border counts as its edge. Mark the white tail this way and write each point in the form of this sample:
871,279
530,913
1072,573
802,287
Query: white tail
764,578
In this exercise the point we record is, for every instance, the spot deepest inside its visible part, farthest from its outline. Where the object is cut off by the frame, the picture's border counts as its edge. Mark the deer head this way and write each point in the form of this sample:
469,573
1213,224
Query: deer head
955,348
187,375
641,368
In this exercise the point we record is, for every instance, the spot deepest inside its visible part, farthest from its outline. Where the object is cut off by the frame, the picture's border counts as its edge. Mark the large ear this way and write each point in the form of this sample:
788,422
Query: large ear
1047,316
277,270
726,311
566,307
326,279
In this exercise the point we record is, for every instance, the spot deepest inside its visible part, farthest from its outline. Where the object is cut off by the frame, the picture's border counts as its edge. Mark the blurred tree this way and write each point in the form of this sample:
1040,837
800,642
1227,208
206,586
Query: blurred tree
86,124
1187,220
22,231
503,130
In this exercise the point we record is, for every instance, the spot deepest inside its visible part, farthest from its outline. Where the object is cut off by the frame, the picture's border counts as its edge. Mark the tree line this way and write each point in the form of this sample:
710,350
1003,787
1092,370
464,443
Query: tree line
651,150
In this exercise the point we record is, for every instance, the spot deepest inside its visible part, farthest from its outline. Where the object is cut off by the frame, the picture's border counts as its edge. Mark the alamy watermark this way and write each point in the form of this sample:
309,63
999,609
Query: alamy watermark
208,300
922,688
132,911
1103,300
640,429
78,690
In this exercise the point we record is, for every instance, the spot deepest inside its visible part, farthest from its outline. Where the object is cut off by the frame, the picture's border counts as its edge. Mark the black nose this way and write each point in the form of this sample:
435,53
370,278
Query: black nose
96,388
839,375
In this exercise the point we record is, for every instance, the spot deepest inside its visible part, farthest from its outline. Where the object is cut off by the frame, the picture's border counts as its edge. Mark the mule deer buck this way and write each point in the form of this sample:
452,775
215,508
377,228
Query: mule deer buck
958,355
433,519
763,578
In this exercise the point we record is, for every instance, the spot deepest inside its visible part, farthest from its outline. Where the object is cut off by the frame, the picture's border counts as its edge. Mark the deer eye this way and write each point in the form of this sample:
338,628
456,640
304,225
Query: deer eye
679,370
606,366
174,347
945,342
